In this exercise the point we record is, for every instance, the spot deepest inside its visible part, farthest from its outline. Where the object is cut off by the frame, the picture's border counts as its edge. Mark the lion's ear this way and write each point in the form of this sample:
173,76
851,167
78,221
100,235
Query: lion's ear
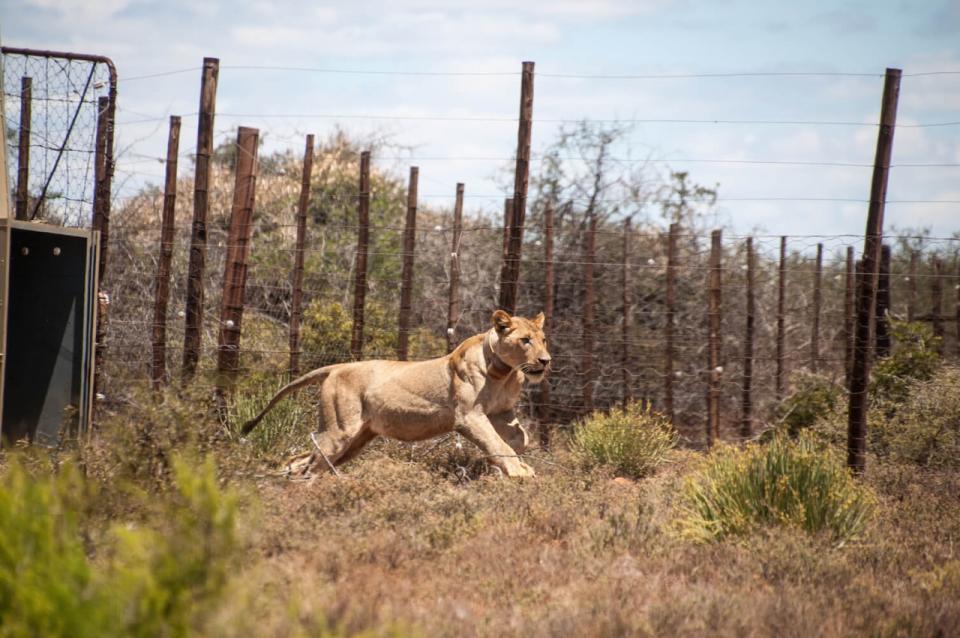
501,320
539,320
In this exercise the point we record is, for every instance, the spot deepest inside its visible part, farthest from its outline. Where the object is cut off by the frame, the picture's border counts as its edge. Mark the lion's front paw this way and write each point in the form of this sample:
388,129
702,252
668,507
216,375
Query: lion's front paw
520,470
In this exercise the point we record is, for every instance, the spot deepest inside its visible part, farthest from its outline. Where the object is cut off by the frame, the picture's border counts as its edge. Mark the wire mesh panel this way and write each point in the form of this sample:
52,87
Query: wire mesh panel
52,104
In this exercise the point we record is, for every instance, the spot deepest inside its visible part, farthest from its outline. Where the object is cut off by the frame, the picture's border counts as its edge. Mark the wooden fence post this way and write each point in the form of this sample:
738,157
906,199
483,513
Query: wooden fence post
714,338
671,302
817,304
23,149
409,247
162,287
296,302
849,309
781,317
956,315
867,284
627,316
360,274
912,294
453,305
505,253
193,321
882,327
548,318
936,296
238,252
746,410
509,284
589,299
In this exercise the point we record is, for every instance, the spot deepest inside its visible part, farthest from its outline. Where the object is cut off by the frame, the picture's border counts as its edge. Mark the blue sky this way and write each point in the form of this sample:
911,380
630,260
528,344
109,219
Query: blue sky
607,37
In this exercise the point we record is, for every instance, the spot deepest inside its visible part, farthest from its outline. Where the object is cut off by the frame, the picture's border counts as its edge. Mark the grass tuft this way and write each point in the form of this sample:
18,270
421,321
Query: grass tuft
786,482
633,440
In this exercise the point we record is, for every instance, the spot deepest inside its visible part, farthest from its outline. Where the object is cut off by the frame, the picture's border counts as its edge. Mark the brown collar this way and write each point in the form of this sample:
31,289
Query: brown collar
498,369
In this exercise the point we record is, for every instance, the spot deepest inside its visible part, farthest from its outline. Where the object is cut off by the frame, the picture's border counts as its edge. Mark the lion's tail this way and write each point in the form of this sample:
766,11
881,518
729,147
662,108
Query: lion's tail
315,376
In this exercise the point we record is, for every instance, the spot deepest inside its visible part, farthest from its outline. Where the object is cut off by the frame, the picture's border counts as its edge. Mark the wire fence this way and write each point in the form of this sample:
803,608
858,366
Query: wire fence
924,281
53,103
615,332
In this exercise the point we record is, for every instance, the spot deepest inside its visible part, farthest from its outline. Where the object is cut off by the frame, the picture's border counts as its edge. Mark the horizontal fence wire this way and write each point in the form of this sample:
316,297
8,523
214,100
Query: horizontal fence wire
327,291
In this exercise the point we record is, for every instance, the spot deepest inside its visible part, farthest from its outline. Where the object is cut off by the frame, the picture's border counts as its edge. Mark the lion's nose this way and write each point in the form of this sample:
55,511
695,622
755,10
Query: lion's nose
544,361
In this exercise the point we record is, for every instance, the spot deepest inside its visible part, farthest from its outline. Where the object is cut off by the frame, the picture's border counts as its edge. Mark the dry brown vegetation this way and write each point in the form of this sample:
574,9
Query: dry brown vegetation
571,553
424,541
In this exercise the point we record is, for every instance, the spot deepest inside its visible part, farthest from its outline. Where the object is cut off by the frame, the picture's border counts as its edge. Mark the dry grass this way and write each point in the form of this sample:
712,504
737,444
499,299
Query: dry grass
572,553
425,541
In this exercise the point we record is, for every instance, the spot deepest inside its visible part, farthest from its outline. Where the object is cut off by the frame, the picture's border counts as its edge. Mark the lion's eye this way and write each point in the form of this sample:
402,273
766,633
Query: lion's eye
526,341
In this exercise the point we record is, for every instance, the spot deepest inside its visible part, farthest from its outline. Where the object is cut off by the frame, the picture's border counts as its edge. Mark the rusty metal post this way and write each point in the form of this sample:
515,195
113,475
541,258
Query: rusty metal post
882,325
238,251
589,299
193,322
817,305
103,170
627,316
849,307
409,247
671,302
102,173
296,302
453,305
521,179
912,291
936,296
746,404
548,302
867,284
360,273
158,374
781,317
714,338
23,149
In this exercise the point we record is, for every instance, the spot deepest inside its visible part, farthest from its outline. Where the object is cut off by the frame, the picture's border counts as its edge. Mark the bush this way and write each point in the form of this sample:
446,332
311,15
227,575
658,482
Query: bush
786,482
914,358
925,428
633,440
159,581
812,395
286,428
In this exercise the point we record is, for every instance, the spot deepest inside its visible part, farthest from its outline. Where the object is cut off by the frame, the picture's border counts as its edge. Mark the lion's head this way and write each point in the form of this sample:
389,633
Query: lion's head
522,344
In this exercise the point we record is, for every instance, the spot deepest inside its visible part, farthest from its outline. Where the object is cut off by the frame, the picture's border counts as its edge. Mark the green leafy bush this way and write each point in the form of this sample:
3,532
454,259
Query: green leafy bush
633,440
812,395
925,428
785,482
915,357
147,581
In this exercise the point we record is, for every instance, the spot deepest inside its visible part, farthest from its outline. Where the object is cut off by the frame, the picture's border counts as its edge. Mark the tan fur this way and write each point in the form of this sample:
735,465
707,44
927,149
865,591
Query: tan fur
473,391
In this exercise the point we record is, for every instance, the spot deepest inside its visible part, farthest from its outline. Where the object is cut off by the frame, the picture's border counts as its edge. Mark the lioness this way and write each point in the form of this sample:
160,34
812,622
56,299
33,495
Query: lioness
472,390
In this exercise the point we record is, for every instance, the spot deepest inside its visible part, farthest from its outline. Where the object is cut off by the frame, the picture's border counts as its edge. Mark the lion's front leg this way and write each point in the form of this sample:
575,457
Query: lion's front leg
478,428
510,429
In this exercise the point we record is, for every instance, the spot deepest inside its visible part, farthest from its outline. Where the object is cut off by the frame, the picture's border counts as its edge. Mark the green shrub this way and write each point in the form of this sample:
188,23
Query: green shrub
925,428
915,357
285,428
786,482
633,440
146,581
812,395
47,586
